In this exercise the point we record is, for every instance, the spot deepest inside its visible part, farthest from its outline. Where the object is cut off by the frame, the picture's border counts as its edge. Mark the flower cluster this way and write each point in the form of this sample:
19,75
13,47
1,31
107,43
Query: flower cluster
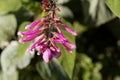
42,31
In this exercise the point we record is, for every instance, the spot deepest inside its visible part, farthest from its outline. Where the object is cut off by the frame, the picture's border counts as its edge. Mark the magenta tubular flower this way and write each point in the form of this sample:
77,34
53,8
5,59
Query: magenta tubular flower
44,36
47,55
32,24
59,38
68,29
35,44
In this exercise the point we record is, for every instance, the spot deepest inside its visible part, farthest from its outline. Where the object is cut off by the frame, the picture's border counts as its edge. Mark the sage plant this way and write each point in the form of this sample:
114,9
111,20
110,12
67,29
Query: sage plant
43,32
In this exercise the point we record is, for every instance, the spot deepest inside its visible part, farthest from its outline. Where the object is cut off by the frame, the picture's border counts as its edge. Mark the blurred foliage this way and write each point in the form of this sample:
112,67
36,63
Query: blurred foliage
97,56
9,5
114,4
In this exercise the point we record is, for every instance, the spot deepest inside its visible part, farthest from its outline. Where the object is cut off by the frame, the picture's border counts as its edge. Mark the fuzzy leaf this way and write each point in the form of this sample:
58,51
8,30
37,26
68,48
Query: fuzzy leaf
8,25
114,6
8,62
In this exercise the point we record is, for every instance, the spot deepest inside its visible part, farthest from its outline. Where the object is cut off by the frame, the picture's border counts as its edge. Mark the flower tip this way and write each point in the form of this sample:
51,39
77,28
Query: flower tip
27,27
75,34
20,33
21,41
73,46
47,56
30,51
38,53
70,51
58,50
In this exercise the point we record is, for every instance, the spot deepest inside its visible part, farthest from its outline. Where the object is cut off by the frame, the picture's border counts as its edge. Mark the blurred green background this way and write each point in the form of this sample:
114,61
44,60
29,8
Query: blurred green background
97,56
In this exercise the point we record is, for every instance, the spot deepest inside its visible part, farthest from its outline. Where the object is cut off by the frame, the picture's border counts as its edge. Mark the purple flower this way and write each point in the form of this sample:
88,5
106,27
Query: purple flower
47,55
68,29
32,24
56,54
59,38
35,44
44,36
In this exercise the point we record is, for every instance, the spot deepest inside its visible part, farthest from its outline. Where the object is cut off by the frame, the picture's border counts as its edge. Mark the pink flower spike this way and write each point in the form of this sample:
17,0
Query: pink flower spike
44,35
47,55
34,23
68,29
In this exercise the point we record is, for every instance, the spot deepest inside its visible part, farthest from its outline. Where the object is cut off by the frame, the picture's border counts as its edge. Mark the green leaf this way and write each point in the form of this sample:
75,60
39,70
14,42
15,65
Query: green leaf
44,70
32,6
58,71
62,1
99,9
114,6
15,55
10,76
67,59
95,12
1,75
52,70
24,55
8,62
26,1
65,11
9,5
8,25
8,57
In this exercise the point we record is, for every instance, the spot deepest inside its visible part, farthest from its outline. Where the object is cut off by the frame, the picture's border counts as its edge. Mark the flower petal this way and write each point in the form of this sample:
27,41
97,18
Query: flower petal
34,23
67,48
68,29
70,44
56,54
47,56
